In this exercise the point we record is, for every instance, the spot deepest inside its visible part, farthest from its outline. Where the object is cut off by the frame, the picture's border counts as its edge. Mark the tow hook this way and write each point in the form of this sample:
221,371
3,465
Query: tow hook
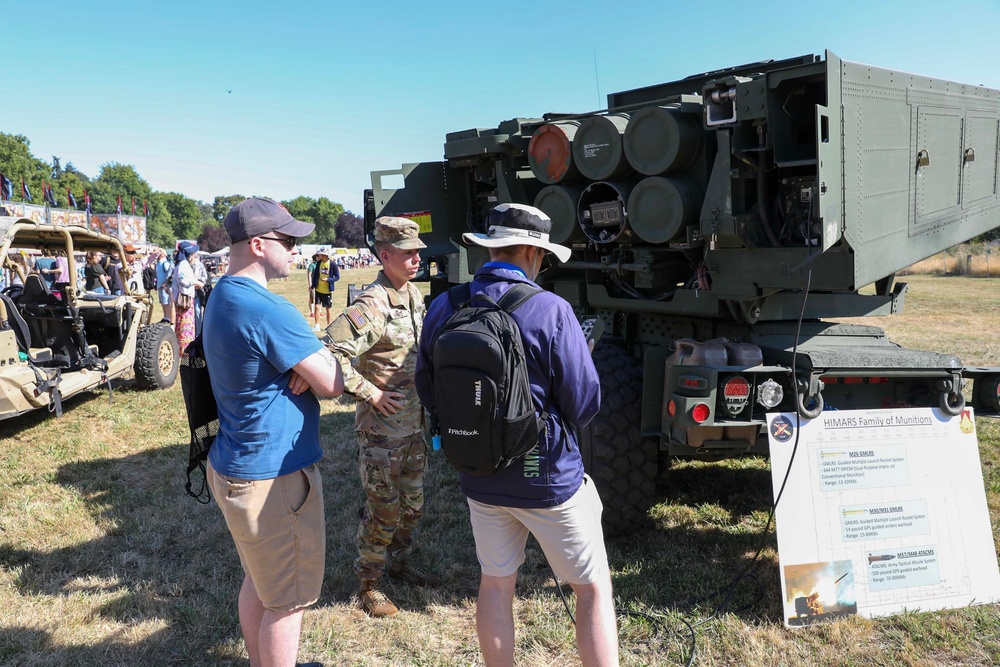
952,400
809,398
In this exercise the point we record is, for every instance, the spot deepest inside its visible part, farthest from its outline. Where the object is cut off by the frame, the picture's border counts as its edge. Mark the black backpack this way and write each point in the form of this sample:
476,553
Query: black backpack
480,377
202,414
149,278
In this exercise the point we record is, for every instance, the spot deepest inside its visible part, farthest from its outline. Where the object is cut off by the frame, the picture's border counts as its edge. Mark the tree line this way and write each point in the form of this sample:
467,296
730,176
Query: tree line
172,215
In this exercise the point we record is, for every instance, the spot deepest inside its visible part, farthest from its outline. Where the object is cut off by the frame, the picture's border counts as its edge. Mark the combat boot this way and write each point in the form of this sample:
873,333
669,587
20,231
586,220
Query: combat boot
374,602
413,574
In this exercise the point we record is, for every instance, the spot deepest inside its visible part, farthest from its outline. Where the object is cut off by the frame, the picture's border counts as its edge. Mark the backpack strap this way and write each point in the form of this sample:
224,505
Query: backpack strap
515,297
460,295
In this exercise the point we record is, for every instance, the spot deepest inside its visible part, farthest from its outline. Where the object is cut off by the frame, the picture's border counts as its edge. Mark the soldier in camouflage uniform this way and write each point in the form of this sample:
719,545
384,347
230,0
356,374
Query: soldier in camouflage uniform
379,332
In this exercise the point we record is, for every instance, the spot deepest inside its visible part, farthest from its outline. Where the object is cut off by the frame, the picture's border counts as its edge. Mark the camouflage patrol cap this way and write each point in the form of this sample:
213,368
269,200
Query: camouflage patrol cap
401,233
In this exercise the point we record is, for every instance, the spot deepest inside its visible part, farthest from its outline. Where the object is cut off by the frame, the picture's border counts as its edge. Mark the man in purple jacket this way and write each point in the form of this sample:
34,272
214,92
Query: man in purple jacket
547,493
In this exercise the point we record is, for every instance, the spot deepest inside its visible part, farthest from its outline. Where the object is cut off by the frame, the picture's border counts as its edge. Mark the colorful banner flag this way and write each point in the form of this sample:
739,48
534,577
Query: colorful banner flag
119,204
25,192
48,195
6,187
145,208
133,205
70,199
86,200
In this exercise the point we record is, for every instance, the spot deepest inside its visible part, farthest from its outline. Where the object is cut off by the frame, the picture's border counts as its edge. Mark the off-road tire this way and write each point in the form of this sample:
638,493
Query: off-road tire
620,460
156,356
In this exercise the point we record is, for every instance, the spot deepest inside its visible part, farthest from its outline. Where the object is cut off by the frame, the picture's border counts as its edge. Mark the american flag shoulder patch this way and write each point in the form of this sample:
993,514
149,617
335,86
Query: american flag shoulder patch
357,317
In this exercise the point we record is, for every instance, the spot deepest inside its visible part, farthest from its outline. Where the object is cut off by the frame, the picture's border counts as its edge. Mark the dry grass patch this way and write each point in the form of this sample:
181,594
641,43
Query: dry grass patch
105,561
973,260
953,315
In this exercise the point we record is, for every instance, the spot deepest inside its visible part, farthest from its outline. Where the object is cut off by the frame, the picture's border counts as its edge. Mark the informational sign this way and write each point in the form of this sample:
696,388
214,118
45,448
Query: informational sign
883,511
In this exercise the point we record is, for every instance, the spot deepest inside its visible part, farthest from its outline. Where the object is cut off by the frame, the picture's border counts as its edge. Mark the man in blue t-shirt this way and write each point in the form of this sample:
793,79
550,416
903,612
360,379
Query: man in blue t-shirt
267,369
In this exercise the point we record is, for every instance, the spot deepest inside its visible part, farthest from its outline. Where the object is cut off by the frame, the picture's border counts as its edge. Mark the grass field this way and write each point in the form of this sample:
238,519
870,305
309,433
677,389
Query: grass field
105,561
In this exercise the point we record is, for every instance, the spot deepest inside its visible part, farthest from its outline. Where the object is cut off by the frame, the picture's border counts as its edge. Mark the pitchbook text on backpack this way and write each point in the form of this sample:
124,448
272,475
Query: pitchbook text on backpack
484,408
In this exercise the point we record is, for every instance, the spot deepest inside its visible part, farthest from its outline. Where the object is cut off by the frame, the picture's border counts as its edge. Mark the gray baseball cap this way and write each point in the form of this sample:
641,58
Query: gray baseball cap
256,217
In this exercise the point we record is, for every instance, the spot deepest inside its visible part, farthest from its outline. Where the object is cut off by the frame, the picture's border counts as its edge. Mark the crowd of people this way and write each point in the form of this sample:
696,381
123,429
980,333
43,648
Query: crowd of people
269,368
181,280
359,260
95,271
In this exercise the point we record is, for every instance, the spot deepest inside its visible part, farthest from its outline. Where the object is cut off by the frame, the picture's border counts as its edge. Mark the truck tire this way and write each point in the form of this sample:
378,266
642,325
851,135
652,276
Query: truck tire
618,458
156,356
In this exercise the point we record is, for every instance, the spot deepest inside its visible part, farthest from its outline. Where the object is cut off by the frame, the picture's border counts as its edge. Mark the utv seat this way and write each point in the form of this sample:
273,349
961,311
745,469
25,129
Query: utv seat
36,292
38,355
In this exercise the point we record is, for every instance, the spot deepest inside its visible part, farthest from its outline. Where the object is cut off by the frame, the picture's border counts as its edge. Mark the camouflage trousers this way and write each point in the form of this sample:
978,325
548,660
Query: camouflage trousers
392,474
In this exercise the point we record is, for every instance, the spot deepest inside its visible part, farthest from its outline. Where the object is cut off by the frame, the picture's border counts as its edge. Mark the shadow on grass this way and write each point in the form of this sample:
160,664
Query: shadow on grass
167,563
662,566
703,535
30,647
13,425
162,563
165,567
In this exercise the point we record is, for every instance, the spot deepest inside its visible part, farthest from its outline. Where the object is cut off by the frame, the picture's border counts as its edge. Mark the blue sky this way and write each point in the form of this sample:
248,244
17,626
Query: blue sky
324,93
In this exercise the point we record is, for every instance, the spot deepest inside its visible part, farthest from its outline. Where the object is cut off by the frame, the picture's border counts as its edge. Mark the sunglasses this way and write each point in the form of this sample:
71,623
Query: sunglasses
289,242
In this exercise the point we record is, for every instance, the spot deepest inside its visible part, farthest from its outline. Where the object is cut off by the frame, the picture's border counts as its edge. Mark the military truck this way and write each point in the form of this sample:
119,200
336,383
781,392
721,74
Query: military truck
714,221
56,342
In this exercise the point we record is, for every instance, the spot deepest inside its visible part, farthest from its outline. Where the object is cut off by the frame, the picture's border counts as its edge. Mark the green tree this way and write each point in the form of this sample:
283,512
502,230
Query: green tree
326,214
118,180
159,223
205,211
321,212
185,218
172,215
17,162
302,207
222,204
16,159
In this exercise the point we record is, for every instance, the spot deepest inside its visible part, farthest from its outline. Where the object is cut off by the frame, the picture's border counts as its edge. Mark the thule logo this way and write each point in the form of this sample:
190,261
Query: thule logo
461,431
479,392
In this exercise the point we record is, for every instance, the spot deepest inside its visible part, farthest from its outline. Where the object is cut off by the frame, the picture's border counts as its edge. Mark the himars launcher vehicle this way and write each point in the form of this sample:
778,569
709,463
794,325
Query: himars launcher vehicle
705,215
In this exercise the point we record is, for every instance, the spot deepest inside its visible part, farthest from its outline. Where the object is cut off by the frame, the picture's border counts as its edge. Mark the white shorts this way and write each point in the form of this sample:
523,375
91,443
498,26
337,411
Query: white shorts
570,536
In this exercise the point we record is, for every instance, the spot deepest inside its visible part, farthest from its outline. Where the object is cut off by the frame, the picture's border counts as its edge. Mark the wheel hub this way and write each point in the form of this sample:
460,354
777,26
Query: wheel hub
165,358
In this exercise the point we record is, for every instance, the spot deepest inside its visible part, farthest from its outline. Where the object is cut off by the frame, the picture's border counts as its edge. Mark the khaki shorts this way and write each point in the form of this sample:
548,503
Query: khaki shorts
570,536
279,528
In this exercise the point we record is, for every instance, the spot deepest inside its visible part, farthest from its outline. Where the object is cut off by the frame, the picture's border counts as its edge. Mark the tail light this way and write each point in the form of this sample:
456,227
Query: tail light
700,412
